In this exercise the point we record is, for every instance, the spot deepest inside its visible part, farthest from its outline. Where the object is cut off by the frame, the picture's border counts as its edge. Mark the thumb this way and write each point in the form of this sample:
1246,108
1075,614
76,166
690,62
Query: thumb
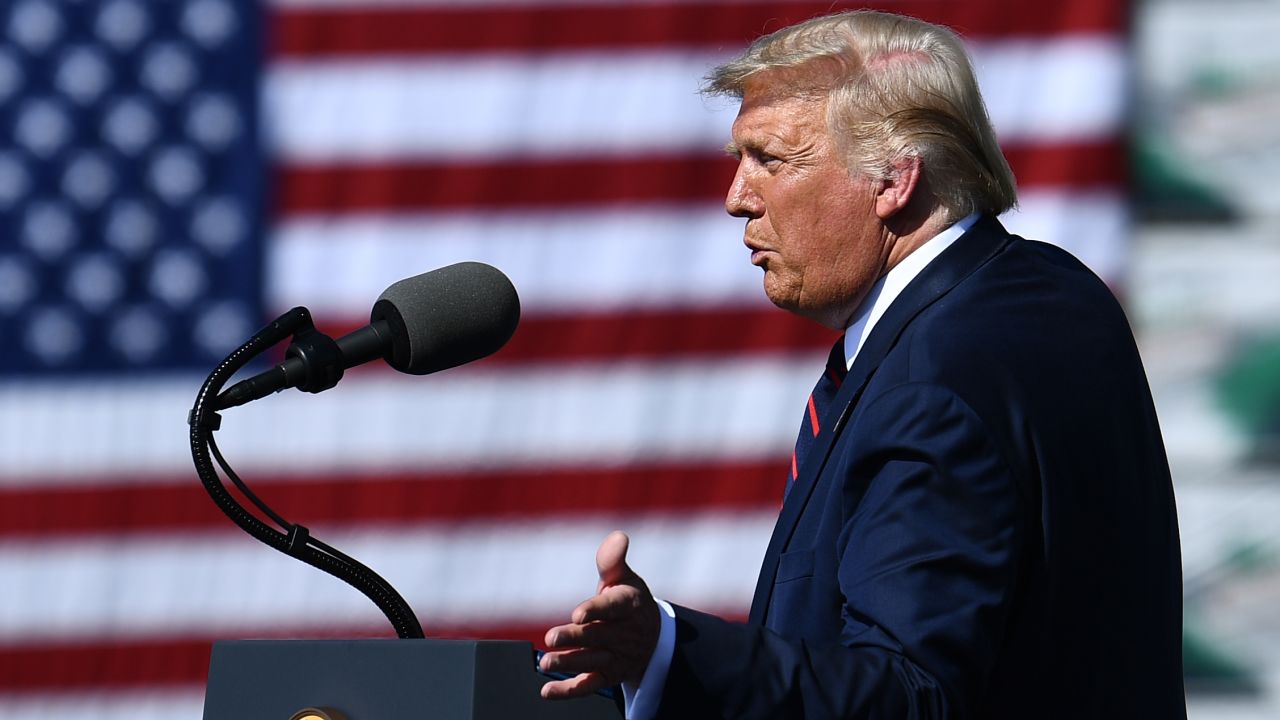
611,560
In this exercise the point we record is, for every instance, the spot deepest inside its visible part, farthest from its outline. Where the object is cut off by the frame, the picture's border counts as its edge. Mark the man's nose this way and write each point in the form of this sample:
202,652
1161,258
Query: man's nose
743,201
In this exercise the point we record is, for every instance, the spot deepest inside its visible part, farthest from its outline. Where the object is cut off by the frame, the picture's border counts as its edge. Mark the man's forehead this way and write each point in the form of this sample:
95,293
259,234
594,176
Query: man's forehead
814,77
777,111
783,86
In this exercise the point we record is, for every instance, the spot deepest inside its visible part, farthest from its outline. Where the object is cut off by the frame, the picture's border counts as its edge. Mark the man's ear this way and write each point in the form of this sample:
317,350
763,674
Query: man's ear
896,190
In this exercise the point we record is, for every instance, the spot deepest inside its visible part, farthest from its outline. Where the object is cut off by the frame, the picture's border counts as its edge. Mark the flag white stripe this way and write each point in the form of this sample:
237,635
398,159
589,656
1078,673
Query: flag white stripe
742,409
151,704
638,257
1071,87
492,105
502,105
1094,225
146,586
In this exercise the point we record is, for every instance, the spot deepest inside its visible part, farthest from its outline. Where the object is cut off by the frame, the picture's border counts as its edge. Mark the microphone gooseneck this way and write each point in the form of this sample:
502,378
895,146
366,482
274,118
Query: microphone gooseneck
434,321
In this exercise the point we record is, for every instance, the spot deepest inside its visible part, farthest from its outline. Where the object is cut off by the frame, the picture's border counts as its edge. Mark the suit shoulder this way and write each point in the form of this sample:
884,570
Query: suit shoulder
1031,303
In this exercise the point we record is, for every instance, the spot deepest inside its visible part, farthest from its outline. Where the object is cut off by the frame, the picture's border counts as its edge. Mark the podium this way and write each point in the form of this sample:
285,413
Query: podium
385,680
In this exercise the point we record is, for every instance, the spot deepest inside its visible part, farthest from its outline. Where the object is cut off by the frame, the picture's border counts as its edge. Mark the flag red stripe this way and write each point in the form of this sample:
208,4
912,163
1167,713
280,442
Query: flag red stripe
662,334
505,183
560,183
1079,164
182,505
119,666
125,664
718,24
643,334
184,661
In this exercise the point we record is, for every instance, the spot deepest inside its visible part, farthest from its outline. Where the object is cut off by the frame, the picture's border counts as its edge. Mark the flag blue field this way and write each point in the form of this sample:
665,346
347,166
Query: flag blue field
175,174
131,185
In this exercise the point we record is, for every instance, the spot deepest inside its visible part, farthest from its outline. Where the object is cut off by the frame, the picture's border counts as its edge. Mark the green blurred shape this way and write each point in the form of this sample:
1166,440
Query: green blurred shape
1249,390
1166,191
1217,83
1250,557
1207,668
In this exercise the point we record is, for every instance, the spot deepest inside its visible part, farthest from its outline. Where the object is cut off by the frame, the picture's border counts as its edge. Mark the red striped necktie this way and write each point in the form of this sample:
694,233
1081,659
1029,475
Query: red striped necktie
819,402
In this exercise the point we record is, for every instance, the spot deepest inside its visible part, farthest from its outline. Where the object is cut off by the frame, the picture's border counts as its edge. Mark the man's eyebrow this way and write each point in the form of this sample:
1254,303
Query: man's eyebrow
731,148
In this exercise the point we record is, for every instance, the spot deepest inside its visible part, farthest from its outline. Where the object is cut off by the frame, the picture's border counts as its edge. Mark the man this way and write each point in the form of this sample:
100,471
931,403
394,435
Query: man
981,525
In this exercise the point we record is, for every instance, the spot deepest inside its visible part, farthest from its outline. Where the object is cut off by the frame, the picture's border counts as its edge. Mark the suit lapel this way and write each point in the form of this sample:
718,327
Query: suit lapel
966,254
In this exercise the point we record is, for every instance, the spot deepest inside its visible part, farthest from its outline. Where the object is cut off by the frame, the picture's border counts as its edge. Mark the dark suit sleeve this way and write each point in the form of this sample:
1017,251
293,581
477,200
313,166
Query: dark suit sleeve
925,544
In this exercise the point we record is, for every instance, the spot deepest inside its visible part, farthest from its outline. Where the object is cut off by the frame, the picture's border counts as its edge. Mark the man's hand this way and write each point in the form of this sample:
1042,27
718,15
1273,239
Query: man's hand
611,636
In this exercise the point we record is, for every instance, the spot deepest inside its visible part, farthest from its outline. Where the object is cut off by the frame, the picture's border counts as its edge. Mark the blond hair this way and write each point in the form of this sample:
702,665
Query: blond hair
896,87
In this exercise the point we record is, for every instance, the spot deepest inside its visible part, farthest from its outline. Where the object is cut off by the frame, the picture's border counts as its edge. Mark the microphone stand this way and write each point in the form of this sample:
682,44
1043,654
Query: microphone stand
291,539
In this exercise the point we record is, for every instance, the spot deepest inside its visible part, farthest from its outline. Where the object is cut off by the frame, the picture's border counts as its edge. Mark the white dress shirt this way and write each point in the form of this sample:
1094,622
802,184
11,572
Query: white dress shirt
641,700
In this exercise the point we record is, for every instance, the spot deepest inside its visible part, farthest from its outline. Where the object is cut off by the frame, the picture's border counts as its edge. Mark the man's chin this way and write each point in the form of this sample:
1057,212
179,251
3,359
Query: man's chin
827,317
788,302
779,296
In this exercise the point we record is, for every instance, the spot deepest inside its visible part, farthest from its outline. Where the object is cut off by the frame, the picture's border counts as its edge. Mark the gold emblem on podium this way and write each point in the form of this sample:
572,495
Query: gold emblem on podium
318,714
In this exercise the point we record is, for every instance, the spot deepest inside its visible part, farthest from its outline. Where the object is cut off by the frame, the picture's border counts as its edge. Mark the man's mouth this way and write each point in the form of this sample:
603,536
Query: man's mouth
758,253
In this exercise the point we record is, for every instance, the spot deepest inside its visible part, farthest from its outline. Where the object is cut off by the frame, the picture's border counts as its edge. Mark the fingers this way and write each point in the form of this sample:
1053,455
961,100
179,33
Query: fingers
611,559
589,666
577,661
593,634
611,636
563,636
591,669
620,602
577,686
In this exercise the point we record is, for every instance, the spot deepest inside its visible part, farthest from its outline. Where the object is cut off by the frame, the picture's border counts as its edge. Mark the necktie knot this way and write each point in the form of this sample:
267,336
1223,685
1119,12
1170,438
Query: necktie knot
837,368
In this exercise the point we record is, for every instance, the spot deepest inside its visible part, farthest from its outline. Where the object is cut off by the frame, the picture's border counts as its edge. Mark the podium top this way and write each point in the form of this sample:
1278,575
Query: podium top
385,680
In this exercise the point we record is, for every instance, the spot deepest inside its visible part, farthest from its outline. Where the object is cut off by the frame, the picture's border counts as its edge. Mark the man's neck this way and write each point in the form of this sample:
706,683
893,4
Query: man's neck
900,246
894,281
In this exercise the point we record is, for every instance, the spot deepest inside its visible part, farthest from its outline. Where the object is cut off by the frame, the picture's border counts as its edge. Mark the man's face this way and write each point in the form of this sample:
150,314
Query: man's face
811,223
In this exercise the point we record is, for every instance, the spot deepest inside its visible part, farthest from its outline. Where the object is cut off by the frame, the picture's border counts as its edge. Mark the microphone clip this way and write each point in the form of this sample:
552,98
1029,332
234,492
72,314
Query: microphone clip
320,357
313,362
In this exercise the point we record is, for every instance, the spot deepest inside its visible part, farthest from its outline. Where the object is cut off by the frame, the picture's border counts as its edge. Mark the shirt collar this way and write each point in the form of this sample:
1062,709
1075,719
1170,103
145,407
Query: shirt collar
887,288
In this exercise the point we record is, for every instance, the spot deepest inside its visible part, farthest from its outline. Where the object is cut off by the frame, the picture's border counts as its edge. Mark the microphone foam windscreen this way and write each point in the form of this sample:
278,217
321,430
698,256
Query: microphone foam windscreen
447,317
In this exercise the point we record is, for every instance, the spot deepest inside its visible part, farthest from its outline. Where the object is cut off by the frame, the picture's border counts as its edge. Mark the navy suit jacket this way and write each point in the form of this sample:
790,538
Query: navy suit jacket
985,527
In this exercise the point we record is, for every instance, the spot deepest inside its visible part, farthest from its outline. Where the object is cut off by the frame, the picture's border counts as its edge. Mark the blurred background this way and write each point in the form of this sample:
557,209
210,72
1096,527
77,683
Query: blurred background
175,174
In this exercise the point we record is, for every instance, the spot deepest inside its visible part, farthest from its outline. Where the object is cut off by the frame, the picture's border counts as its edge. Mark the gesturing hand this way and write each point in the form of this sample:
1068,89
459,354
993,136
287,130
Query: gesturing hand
611,636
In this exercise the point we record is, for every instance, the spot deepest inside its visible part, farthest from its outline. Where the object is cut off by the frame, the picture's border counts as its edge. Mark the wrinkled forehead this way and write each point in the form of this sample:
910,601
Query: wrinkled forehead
814,78
780,105
793,118
784,89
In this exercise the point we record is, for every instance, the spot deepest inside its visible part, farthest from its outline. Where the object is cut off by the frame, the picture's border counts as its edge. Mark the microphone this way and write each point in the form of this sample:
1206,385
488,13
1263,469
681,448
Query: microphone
430,322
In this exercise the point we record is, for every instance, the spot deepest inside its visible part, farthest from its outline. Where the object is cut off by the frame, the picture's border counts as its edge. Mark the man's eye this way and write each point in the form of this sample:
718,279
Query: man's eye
766,159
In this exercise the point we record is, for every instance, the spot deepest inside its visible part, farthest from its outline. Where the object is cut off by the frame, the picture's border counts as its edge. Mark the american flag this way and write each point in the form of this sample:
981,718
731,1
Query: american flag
173,174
